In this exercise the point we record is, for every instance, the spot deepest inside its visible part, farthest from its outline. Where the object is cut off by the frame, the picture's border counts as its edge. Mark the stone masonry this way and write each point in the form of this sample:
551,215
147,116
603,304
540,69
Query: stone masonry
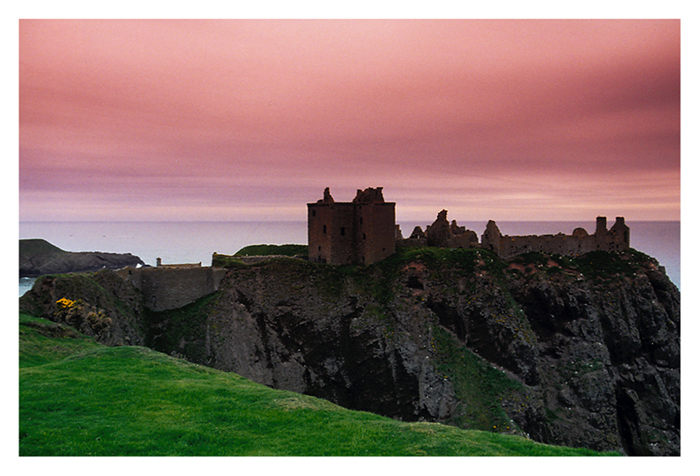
579,242
359,232
171,287
364,231
450,235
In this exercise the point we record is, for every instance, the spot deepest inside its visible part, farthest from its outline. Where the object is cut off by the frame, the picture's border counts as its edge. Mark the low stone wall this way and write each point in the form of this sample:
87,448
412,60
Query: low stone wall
560,244
165,288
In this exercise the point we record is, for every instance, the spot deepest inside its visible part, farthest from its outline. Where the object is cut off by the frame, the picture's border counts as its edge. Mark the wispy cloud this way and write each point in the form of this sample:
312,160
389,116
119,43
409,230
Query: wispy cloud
509,119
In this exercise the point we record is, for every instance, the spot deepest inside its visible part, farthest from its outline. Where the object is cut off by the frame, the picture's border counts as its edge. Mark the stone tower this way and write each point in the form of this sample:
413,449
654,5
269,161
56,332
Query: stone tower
359,232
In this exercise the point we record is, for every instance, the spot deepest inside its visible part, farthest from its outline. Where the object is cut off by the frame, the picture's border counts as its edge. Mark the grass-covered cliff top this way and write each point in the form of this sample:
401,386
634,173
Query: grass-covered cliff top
78,397
279,250
596,264
228,261
37,246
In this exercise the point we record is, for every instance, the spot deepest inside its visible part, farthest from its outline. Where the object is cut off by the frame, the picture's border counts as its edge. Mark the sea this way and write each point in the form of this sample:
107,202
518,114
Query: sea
194,242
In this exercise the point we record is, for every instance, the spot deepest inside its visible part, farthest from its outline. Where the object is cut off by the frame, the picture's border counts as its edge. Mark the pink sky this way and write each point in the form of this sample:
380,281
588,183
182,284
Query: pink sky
250,120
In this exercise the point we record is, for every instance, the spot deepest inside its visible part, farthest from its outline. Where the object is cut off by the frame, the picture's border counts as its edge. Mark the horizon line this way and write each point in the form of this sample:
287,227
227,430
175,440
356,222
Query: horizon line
304,221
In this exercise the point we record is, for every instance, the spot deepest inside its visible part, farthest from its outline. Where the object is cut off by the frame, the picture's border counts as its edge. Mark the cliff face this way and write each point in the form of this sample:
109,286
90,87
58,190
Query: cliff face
581,352
104,291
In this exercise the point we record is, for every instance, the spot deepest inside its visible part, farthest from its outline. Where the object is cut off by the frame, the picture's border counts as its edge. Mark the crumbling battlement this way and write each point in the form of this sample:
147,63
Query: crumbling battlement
442,234
450,235
579,242
359,232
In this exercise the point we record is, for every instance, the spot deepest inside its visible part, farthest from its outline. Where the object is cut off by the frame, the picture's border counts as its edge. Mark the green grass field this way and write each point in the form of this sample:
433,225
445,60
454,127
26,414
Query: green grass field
78,397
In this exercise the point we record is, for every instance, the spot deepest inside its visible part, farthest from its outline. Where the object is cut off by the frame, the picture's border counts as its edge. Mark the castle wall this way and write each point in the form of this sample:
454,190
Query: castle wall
557,244
165,288
579,242
468,239
376,230
320,221
442,234
342,234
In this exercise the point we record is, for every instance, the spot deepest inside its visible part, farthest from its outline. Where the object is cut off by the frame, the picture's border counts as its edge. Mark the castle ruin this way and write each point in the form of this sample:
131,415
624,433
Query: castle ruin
450,235
359,232
364,231
579,242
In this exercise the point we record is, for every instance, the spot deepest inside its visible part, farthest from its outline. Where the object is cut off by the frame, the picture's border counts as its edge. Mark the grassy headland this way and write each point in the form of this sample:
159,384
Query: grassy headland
78,397
281,250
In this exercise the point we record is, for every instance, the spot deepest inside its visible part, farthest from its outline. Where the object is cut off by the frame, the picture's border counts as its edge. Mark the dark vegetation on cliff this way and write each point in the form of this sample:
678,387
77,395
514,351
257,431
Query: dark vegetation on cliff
38,257
78,397
579,351
268,250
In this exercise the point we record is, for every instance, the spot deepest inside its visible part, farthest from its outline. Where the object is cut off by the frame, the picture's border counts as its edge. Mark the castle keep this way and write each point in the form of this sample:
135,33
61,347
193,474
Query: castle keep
364,231
357,232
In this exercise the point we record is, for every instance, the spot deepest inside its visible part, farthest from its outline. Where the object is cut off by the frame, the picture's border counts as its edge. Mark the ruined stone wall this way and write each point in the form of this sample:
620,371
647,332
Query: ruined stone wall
579,242
558,244
167,288
442,234
468,239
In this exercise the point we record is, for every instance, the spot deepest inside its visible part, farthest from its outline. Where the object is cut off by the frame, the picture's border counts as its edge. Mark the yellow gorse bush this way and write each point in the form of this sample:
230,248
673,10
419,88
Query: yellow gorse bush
65,303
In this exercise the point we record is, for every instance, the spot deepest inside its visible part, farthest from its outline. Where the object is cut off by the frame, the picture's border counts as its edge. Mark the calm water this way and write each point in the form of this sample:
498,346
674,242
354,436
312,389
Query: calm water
192,242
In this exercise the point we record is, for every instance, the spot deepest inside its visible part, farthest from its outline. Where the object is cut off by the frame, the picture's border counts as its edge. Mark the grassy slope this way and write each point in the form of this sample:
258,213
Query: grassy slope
37,246
478,386
81,398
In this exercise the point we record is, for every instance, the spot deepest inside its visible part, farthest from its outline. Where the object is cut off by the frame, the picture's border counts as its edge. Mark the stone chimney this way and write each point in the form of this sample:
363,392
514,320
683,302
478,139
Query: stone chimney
601,225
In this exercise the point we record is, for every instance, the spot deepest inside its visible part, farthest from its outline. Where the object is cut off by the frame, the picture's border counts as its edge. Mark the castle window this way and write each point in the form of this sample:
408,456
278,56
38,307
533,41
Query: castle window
313,213
324,228
342,231
360,220
364,236
319,248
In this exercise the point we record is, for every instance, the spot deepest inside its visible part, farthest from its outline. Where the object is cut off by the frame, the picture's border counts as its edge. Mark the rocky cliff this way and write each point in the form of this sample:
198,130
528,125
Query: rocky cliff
38,257
576,351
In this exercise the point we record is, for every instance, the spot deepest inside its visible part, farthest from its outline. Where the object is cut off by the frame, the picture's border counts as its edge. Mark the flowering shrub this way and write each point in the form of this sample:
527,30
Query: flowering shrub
65,303
84,317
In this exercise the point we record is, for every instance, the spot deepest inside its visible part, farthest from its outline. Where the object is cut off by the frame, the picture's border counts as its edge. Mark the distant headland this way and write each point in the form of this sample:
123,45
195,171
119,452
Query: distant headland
38,257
